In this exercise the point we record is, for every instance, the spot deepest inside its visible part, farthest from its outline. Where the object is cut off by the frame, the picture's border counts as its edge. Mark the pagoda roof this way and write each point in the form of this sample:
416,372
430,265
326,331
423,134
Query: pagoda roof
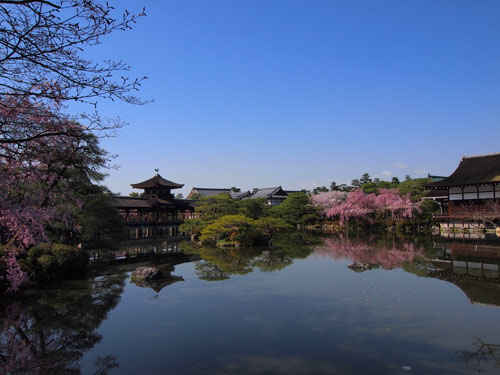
156,181
473,170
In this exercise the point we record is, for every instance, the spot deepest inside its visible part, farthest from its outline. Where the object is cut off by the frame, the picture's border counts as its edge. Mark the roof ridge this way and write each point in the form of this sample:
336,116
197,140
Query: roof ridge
480,155
198,188
272,187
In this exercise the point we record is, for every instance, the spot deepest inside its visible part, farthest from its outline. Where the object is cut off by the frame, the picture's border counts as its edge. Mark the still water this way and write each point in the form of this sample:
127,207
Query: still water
306,306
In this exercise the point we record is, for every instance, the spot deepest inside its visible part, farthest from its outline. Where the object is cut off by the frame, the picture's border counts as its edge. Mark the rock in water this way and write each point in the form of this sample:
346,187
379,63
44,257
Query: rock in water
147,273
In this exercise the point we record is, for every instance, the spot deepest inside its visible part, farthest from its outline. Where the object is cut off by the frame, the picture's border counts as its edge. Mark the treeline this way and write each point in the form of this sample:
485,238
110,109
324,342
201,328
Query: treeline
249,221
373,205
392,205
413,186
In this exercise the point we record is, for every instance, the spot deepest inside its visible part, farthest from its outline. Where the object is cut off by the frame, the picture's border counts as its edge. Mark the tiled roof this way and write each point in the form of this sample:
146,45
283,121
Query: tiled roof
205,192
436,193
239,195
472,170
268,193
157,181
133,202
126,202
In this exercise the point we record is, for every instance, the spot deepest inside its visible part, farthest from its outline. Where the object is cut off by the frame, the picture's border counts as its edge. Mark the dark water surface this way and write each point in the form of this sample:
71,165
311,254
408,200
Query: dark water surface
424,307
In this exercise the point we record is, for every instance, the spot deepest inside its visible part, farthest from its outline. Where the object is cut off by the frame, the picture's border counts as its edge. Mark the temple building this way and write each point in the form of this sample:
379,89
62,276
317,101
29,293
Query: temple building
273,195
155,213
470,196
206,192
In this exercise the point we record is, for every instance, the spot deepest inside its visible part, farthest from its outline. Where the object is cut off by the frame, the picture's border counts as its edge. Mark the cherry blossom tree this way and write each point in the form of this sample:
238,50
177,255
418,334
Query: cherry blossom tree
328,200
43,151
358,204
390,201
37,179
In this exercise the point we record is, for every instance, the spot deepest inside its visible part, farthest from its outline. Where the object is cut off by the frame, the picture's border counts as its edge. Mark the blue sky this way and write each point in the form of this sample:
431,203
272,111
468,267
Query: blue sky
302,93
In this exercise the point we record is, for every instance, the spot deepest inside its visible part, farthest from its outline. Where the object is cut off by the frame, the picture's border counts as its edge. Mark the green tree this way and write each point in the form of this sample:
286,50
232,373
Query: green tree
100,225
344,187
49,262
194,226
269,226
253,208
375,186
215,206
296,210
365,179
234,227
416,187
320,189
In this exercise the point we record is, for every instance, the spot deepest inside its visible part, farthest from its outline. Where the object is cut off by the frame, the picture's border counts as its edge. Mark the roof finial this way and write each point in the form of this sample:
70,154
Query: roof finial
157,170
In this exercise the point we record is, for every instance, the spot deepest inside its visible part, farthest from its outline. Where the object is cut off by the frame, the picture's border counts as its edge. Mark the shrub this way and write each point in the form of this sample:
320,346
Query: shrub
48,262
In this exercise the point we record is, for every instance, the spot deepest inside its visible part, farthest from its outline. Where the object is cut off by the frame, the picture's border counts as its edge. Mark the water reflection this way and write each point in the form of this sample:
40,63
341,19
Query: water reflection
370,253
47,332
481,355
217,264
473,267
343,323
158,284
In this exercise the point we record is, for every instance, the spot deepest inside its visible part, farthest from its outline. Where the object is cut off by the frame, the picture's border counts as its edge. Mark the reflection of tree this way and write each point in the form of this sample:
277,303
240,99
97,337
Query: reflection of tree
483,353
210,272
48,333
221,263
388,253
272,260
297,244
234,261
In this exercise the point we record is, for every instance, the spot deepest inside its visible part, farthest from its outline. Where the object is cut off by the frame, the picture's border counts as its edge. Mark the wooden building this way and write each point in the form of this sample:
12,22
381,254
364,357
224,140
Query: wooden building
155,213
470,196
207,192
273,195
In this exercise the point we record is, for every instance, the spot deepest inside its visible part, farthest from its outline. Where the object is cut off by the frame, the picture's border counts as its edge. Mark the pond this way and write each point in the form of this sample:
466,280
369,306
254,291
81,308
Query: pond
305,306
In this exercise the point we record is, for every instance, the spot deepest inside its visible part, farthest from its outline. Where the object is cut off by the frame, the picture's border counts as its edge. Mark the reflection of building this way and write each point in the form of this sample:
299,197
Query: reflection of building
474,268
470,196
156,212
